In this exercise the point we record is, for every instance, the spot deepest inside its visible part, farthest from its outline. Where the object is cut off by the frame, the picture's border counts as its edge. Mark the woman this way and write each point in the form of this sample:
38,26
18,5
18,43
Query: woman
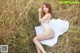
49,28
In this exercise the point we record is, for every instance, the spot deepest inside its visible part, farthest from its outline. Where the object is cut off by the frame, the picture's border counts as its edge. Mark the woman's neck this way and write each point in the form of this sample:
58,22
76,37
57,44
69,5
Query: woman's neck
47,13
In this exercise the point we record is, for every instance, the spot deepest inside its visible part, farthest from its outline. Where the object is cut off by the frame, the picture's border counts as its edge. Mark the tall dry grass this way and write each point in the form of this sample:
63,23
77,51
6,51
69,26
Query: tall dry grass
19,17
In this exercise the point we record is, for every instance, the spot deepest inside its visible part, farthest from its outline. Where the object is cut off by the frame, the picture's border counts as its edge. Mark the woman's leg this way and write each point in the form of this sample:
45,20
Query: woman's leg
38,44
38,50
45,35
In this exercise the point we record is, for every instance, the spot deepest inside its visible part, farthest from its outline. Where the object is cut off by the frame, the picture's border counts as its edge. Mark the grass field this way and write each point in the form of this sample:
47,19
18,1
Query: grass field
19,17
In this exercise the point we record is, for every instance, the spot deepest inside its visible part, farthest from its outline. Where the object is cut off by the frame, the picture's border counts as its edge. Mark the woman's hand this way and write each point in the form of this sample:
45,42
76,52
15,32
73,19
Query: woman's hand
39,10
41,21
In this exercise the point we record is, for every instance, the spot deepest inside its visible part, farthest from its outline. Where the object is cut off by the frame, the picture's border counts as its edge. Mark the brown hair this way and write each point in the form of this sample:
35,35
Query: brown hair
48,6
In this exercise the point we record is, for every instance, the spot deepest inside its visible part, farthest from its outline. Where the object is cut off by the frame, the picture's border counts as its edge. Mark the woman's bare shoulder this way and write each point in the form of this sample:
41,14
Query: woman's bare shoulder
48,15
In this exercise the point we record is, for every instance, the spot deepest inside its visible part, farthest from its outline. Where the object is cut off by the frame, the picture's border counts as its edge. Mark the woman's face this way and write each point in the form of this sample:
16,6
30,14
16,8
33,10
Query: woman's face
45,9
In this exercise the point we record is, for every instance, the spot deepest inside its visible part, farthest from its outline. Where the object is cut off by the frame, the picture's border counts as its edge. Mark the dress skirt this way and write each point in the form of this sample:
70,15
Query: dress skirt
58,26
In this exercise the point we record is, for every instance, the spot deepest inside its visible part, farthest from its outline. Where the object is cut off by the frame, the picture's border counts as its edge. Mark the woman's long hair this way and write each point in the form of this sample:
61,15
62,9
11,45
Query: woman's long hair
49,7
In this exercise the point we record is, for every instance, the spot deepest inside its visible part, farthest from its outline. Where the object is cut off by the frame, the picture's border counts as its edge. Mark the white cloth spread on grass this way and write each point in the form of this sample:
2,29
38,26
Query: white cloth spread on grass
59,26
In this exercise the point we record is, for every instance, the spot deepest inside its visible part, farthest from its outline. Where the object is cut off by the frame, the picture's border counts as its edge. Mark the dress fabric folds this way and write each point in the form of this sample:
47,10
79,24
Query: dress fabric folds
59,27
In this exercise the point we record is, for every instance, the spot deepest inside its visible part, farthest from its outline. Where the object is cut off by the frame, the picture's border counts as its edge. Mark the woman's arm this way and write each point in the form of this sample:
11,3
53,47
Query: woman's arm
47,16
40,17
44,18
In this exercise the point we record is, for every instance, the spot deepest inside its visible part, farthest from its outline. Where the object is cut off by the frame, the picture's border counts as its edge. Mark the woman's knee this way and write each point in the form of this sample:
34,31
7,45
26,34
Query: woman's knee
35,38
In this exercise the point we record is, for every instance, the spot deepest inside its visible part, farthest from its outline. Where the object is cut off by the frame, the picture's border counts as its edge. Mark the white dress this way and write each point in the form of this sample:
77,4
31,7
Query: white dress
57,25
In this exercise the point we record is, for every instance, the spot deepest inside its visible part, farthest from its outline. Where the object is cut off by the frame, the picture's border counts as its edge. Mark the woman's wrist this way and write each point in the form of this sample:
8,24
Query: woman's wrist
39,12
